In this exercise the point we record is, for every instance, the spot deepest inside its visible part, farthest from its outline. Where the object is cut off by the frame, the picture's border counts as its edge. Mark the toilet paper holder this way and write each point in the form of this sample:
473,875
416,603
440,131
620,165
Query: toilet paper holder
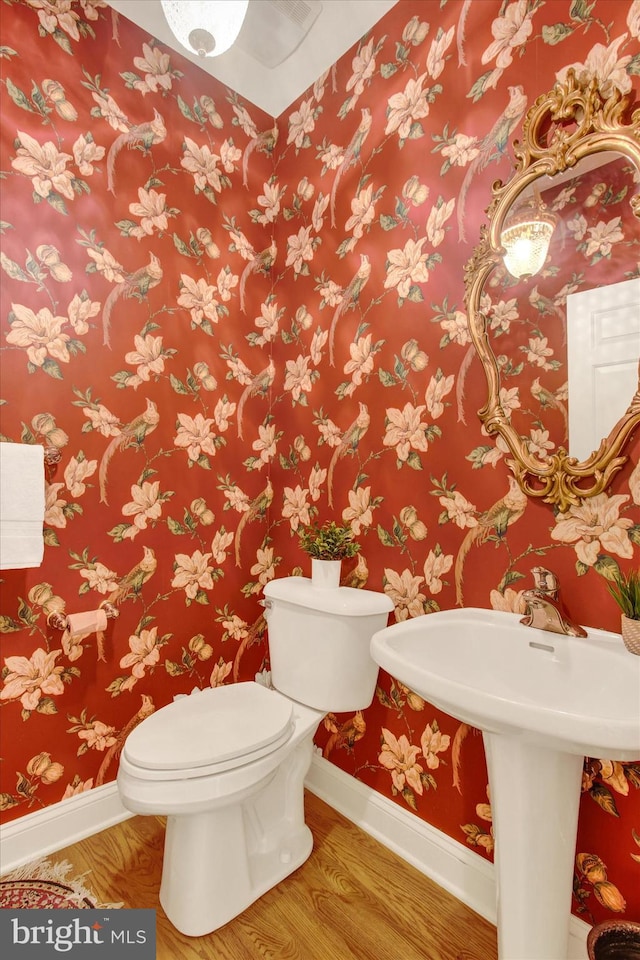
58,621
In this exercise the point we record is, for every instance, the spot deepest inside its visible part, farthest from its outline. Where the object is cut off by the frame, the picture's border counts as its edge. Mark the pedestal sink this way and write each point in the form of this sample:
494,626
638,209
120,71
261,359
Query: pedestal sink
543,702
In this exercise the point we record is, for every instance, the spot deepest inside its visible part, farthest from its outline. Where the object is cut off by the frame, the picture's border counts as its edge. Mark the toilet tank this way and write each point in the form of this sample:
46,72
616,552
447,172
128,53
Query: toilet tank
319,642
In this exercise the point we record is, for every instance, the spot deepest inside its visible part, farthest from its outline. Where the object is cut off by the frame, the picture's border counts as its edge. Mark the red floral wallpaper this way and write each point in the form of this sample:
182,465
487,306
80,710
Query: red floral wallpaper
229,326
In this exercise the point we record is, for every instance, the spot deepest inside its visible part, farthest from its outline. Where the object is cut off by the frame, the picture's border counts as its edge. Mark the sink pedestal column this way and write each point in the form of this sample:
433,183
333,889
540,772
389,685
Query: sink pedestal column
535,795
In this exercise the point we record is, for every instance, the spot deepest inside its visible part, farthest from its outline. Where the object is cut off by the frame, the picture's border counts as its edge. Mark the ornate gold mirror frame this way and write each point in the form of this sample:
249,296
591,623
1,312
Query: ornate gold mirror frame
575,120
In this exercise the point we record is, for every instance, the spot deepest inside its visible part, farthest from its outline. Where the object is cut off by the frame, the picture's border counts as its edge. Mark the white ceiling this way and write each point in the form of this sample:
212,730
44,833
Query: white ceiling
340,24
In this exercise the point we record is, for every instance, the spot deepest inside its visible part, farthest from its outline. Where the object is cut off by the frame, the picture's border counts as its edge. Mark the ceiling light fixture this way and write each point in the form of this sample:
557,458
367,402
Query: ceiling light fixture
205,27
526,238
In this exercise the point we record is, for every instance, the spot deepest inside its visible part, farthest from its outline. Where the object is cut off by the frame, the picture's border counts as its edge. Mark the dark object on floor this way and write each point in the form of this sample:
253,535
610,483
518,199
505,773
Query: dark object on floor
614,940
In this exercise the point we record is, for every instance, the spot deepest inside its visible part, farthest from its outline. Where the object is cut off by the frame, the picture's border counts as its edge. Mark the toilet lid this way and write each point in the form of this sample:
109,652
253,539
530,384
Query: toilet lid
209,727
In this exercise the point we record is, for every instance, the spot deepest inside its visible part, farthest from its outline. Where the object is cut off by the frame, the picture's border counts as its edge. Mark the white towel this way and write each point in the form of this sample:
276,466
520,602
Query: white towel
22,503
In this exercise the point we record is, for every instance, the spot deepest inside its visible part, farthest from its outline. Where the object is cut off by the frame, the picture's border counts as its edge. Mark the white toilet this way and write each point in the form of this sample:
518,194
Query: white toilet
226,766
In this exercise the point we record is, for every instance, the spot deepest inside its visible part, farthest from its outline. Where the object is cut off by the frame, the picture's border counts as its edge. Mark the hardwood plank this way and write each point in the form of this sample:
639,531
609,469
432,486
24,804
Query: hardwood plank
352,900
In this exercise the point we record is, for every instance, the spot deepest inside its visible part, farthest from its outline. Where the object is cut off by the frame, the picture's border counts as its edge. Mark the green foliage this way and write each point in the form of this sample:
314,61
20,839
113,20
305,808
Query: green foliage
625,590
329,541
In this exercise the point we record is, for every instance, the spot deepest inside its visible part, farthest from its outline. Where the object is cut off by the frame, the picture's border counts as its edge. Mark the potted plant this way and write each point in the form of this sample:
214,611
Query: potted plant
327,545
625,590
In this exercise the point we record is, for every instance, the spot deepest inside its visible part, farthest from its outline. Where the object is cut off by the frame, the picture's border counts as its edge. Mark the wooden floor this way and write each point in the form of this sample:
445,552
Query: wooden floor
352,900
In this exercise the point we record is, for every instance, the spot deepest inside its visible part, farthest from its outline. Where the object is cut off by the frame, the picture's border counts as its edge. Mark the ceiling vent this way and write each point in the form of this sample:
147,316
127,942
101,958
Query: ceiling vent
273,29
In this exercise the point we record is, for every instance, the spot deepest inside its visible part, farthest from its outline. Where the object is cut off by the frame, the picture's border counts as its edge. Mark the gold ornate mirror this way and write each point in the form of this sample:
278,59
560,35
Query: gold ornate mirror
577,182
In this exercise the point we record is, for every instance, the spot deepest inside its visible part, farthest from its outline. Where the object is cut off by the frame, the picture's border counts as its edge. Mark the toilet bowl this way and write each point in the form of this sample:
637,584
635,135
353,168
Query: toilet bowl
226,765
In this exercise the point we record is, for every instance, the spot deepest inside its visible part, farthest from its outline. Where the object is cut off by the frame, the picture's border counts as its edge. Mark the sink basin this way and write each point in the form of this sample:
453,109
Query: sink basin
543,701
575,695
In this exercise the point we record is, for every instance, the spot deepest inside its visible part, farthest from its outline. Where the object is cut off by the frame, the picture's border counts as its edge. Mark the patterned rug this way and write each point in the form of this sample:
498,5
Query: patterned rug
45,885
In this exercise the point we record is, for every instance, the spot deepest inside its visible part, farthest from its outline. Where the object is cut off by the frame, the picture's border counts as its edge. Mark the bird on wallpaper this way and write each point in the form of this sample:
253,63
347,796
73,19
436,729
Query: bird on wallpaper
460,37
133,432
350,296
135,284
265,142
350,155
131,584
254,633
261,263
259,384
357,578
493,522
344,734
153,131
492,147
257,508
547,399
348,445
147,708
461,380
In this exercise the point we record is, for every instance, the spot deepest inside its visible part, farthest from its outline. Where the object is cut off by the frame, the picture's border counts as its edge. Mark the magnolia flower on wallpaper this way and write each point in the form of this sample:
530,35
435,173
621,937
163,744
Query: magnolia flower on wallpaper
405,430
76,472
601,238
363,67
40,334
96,736
404,109
360,365
363,211
539,444
435,566
359,512
220,673
102,420
502,315
144,653
406,267
633,18
80,310
106,264
192,573
436,58
295,507
595,526
456,328
317,478
146,504
195,435
459,509
220,545
399,757
264,568
299,379
439,215
99,577
59,16
108,109
152,211
404,590
148,357
28,680
538,352
300,248
510,31
439,387
603,63
202,164
301,123
156,66
54,515
85,153
511,601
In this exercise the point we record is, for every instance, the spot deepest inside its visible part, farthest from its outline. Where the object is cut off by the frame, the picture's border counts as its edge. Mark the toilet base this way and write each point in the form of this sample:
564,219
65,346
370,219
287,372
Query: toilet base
218,862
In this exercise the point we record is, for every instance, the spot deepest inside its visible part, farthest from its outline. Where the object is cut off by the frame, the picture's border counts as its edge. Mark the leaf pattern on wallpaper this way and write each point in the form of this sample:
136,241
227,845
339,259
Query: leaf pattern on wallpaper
248,323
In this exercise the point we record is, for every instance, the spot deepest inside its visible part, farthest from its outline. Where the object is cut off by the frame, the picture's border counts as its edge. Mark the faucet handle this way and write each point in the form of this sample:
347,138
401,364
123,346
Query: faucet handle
545,581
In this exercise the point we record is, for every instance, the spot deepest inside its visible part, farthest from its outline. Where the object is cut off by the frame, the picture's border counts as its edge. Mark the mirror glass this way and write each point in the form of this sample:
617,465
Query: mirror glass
567,340
560,348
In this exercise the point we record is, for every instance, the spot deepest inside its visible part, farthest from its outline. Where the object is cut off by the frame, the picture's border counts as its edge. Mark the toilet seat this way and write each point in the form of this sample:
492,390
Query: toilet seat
209,732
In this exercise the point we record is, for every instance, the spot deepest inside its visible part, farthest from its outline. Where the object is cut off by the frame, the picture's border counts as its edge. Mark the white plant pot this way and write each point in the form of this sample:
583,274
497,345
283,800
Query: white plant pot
325,574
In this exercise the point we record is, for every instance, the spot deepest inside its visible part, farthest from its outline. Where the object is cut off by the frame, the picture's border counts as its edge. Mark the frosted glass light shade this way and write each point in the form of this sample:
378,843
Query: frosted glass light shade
526,243
205,27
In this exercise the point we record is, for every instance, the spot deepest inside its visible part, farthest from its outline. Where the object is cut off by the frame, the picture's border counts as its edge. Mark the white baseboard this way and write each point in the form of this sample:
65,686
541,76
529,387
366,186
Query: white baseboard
45,831
450,864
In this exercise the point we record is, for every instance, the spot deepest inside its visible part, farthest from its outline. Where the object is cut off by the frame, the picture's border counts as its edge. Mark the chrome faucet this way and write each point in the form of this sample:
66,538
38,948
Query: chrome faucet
544,608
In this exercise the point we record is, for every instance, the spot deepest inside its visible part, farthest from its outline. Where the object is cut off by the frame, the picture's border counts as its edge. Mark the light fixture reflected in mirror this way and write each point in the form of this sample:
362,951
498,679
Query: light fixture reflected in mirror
526,238
205,27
